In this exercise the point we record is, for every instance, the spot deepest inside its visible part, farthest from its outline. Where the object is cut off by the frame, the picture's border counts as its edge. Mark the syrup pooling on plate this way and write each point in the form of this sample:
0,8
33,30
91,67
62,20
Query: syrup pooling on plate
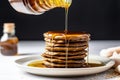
40,64
95,64
36,63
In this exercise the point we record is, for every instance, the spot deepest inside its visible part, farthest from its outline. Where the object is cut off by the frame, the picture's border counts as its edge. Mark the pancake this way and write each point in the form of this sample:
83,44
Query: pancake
76,57
78,44
61,35
71,65
66,48
63,41
64,61
64,53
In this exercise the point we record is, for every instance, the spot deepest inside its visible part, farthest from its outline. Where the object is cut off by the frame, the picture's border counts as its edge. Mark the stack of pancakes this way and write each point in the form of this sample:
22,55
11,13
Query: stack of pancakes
65,50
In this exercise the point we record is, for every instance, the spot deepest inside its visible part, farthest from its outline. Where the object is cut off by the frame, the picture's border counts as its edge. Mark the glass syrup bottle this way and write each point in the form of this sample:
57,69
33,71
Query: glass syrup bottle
9,42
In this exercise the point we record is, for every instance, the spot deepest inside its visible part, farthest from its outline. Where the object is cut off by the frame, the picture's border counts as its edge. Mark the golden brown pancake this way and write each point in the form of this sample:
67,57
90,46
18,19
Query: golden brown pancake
63,41
65,48
64,57
61,35
64,53
64,61
70,65
78,44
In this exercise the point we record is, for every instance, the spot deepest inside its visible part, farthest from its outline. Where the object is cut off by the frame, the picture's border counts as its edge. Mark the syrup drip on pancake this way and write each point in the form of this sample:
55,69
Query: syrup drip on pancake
66,43
66,30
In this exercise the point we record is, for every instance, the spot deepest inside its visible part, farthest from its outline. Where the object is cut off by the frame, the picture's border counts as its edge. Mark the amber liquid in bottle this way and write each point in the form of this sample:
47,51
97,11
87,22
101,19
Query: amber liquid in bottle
40,6
8,43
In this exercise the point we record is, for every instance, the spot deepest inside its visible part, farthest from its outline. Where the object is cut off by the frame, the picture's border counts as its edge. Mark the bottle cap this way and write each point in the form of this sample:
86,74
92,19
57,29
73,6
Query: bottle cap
9,27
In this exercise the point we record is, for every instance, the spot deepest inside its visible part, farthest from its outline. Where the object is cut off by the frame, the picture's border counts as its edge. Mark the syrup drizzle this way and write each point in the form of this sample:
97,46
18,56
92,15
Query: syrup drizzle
66,44
64,34
66,31
66,19
52,49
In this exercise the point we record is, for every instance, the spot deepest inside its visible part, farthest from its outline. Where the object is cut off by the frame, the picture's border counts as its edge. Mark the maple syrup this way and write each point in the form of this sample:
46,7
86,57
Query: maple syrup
40,64
36,63
8,43
53,36
95,64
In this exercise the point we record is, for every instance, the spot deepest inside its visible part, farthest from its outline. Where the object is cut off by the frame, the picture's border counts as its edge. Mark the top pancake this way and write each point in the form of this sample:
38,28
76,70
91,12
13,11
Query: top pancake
61,35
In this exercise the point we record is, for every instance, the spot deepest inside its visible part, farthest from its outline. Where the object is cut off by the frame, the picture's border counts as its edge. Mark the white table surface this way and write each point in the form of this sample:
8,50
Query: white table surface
9,71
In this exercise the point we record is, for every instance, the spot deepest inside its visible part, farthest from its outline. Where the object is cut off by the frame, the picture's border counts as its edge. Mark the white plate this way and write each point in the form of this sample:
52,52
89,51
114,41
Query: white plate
21,63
